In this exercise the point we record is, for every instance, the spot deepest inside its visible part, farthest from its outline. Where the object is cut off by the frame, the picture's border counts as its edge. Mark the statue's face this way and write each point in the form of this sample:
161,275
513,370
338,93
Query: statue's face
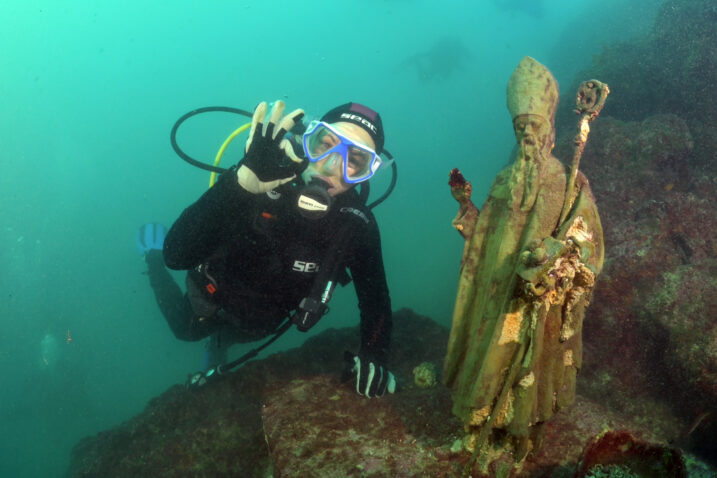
533,131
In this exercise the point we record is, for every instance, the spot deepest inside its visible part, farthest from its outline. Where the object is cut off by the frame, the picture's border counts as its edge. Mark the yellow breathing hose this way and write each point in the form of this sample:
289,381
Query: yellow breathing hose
230,138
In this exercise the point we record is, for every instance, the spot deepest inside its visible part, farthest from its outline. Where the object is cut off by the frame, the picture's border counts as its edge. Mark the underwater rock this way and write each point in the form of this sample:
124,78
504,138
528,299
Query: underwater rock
671,70
210,432
631,456
310,417
314,427
654,306
217,430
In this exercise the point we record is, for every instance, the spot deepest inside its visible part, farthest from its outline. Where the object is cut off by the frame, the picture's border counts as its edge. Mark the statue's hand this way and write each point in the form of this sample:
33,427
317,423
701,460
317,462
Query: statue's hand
467,216
541,263
534,255
460,187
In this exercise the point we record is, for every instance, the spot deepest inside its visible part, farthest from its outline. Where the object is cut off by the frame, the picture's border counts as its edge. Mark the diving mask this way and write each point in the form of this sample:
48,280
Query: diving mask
323,141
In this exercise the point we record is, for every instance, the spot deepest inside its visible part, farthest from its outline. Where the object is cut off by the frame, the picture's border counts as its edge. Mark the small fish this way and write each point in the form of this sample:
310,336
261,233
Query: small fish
69,337
669,187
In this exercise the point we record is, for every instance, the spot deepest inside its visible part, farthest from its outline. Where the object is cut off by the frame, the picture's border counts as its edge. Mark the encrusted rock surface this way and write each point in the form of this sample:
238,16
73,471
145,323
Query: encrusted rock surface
315,427
292,410
217,431
671,70
651,326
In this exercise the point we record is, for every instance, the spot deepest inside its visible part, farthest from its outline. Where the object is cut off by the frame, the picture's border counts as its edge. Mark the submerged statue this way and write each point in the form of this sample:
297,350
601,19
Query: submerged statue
529,265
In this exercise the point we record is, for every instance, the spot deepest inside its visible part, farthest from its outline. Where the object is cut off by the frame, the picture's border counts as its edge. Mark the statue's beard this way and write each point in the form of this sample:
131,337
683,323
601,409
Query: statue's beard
528,162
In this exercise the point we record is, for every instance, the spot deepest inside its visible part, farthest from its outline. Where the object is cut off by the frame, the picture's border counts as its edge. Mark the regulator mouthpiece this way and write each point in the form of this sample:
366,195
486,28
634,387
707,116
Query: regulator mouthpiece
314,200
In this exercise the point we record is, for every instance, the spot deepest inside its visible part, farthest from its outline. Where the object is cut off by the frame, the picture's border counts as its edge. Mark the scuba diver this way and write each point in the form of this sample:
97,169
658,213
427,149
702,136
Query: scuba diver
265,246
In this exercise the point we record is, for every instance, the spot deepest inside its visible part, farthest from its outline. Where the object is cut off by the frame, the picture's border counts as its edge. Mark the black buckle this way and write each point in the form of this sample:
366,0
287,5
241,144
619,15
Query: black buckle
309,313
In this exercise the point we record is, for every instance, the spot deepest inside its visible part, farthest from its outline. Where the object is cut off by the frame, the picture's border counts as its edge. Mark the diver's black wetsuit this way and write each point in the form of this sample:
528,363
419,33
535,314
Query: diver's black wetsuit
252,258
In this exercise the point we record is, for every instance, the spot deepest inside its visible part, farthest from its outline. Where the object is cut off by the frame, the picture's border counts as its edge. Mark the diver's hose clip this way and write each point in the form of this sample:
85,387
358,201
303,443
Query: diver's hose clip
309,313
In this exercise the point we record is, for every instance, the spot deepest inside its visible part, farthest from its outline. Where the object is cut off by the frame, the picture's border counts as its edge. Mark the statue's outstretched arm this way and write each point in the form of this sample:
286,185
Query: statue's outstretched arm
467,216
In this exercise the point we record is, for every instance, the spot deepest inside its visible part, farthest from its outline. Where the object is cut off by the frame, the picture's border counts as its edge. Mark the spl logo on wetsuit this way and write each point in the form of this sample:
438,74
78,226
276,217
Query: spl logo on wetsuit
302,266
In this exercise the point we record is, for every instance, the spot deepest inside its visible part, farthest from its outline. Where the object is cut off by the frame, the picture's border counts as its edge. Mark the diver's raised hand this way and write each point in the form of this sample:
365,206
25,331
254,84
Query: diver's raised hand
269,159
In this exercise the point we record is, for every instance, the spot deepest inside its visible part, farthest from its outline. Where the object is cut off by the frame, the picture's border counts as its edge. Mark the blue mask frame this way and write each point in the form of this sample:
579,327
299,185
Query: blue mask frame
342,148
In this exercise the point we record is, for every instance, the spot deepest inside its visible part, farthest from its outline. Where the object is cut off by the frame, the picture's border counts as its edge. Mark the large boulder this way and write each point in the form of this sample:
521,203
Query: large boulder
652,167
289,415
671,70
654,304
217,430
316,428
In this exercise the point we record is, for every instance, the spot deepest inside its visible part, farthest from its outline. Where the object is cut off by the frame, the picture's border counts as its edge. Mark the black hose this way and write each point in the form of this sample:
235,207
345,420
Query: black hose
227,367
364,190
216,169
183,118
389,190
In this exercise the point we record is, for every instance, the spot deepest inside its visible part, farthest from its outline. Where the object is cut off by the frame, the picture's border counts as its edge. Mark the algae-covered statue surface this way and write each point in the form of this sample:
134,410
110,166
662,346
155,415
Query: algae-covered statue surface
529,266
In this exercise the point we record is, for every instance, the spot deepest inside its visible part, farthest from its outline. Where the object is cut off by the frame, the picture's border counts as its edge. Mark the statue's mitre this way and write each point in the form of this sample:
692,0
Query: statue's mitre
532,89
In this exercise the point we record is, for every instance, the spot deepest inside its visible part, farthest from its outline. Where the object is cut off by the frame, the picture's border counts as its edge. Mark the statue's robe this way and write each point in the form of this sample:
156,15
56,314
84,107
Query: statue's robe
492,316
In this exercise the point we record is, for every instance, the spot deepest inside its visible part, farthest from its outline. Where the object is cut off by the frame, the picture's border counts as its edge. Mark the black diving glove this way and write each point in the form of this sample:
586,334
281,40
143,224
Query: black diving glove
371,378
270,159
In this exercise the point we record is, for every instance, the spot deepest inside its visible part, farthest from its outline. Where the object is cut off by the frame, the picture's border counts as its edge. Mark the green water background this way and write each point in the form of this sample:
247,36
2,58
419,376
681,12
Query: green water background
88,93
